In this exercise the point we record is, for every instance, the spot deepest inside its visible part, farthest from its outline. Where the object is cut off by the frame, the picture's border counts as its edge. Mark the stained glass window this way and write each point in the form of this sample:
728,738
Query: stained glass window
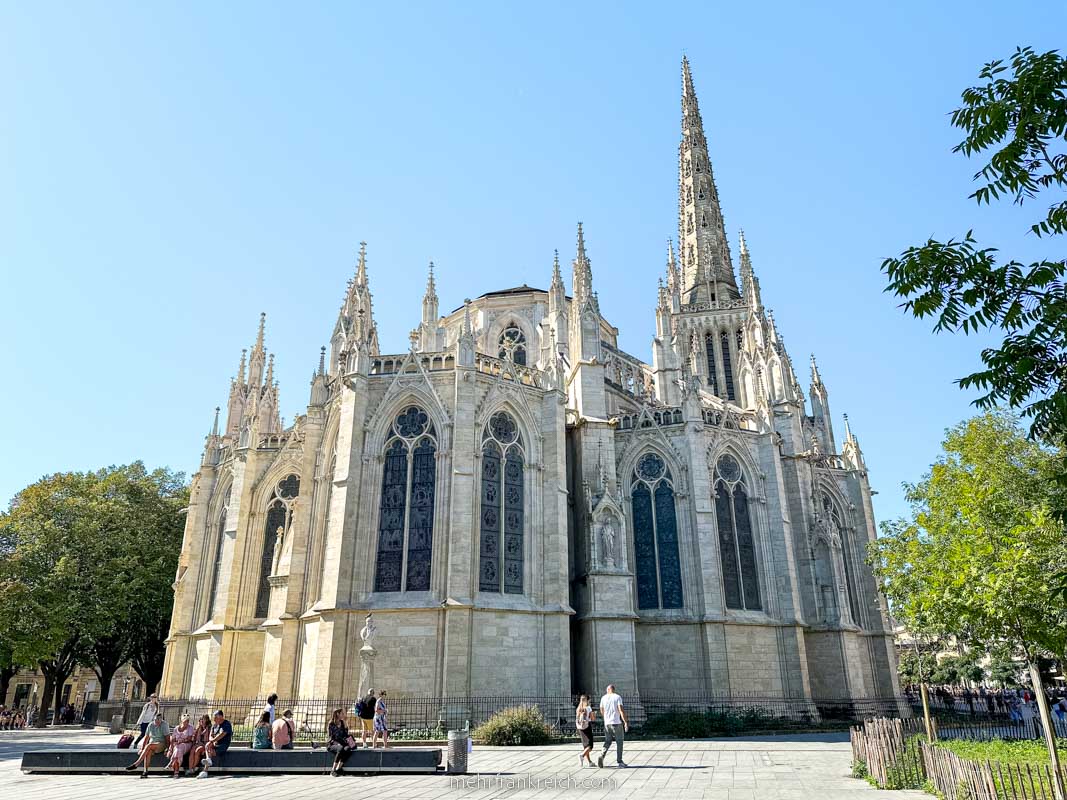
737,545
727,366
513,345
709,346
657,563
279,515
220,540
503,498
406,513
833,515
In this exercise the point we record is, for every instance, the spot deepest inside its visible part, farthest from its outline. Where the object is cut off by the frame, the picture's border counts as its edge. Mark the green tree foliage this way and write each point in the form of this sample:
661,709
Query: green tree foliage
976,559
86,566
1003,669
1019,113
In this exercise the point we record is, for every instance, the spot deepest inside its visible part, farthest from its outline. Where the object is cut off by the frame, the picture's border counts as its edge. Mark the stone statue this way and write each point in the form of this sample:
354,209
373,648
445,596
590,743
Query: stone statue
368,632
607,537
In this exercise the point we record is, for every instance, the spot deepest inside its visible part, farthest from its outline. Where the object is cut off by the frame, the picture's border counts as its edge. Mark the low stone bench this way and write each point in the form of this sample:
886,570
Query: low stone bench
238,760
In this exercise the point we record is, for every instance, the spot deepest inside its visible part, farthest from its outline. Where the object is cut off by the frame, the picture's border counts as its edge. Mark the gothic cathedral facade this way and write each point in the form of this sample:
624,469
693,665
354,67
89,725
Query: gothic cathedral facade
529,510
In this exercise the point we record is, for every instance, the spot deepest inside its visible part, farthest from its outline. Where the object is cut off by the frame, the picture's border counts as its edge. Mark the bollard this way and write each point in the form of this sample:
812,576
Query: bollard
117,725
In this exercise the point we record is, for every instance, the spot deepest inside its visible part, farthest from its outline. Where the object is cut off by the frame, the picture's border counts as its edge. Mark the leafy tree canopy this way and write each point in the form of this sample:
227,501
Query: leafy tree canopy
977,557
1018,115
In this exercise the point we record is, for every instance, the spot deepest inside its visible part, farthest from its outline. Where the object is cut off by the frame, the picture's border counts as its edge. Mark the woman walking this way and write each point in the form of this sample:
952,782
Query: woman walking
341,742
181,742
381,722
583,721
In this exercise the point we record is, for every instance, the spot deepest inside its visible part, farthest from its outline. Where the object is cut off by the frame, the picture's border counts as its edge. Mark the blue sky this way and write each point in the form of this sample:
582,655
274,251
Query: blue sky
169,170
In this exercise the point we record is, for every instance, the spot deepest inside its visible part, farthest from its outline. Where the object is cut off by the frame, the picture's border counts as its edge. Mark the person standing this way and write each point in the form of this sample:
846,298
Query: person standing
148,713
269,707
583,721
365,712
381,722
615,725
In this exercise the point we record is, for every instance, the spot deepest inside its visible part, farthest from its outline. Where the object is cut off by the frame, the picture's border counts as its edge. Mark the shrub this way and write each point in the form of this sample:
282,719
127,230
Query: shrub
679,724
859,769
521,725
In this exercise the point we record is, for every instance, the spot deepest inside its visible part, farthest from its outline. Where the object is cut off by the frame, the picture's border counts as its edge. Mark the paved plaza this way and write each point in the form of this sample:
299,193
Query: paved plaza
804,767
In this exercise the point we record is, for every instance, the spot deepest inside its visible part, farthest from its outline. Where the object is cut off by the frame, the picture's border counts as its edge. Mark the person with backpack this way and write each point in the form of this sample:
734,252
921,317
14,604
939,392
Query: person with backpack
282,731
365,714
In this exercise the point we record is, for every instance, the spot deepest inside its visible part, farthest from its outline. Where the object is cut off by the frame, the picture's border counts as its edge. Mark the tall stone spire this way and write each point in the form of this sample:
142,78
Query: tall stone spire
429,302
258,358
582,280
707,271
355,331
749,281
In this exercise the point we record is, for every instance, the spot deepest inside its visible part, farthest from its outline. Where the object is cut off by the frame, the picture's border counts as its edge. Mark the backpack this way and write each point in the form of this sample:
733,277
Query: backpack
125,741
360,708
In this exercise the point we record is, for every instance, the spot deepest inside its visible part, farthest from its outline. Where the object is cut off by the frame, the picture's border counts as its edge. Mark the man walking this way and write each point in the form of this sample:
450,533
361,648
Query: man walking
615,725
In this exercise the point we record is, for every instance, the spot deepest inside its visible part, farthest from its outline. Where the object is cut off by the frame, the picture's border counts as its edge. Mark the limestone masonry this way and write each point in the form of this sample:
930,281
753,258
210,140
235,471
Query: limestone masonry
527,509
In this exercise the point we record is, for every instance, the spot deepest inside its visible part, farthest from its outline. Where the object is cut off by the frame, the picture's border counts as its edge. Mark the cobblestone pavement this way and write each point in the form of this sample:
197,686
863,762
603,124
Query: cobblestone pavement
802,767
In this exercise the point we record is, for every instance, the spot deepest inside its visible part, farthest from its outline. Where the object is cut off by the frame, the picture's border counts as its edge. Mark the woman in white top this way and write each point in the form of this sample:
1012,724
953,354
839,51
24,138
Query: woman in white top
148,713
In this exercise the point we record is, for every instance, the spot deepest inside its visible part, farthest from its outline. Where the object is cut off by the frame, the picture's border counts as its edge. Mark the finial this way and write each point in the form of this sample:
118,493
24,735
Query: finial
262,328
815,378
322,360
215,425
241,366
744,246
467,330
670,254
430,284
361,268
555,266
581,243
270,370
413,337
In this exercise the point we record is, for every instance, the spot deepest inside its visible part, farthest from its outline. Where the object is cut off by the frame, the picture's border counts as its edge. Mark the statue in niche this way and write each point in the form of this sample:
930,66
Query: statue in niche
608,534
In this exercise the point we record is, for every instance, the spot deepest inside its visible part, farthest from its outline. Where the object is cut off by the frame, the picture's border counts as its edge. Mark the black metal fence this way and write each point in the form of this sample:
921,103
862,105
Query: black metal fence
431,716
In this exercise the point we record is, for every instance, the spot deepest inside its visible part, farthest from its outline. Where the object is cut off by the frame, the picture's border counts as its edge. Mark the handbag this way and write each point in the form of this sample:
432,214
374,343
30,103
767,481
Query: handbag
350,741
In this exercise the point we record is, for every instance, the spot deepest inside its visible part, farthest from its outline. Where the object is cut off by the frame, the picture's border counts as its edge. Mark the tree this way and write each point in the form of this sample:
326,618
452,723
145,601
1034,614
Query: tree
8,668
977,558
1003,668
87,561
1022,115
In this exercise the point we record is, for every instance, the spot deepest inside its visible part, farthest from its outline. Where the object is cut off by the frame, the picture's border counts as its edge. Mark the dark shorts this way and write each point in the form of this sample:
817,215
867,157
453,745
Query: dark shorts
587,736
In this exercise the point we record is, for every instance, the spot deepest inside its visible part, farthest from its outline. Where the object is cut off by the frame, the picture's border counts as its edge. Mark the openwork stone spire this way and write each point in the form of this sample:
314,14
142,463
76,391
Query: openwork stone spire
707,271
582,279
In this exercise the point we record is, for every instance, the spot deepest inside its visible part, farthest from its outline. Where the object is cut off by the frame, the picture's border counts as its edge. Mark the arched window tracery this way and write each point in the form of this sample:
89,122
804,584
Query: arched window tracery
737,546
406,512
656,559
279,517
512,345
503,494
216,568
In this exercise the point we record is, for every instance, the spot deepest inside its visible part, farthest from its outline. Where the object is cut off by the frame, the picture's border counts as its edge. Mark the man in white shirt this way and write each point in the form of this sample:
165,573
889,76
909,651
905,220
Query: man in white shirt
615,725
269,708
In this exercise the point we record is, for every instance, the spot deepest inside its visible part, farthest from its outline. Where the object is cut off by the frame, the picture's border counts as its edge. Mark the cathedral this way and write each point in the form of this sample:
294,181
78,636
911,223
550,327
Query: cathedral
529,510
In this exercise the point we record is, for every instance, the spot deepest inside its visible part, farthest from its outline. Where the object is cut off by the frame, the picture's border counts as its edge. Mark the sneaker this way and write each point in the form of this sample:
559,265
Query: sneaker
202,774
581,761
600,760
207,762
622,764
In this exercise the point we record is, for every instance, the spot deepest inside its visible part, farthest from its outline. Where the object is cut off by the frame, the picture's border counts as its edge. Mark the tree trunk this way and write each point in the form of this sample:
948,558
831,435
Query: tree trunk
1046,726
45,701
6,674
926,713
105,673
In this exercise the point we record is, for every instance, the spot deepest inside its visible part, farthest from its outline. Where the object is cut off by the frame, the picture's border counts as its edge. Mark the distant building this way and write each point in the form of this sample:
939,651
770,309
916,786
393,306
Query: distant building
528,509
83,685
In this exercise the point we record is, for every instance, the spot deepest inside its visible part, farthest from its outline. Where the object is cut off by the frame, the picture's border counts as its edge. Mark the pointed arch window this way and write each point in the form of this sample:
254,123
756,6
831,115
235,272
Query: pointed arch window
279,518
659,572
513,345
503,497
737,546
405,517
220,541
709,347
832,515
727,366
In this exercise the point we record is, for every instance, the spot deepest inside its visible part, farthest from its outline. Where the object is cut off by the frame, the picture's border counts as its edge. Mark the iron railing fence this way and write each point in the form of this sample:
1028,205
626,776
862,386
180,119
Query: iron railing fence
430,715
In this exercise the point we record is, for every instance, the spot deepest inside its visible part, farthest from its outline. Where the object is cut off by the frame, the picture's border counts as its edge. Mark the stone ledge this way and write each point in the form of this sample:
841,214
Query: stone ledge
239,760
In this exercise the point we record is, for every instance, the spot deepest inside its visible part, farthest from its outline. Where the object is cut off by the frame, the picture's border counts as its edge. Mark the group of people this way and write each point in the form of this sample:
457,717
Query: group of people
373,716
616,725
194,749
202,744
1019,705
12,719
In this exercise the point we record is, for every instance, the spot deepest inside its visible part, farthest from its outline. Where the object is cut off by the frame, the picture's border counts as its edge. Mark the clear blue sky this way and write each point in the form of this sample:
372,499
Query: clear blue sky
169,170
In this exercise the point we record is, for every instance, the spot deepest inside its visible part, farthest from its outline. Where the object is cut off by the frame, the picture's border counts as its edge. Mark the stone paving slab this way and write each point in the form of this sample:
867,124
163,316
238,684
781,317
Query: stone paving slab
801,767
